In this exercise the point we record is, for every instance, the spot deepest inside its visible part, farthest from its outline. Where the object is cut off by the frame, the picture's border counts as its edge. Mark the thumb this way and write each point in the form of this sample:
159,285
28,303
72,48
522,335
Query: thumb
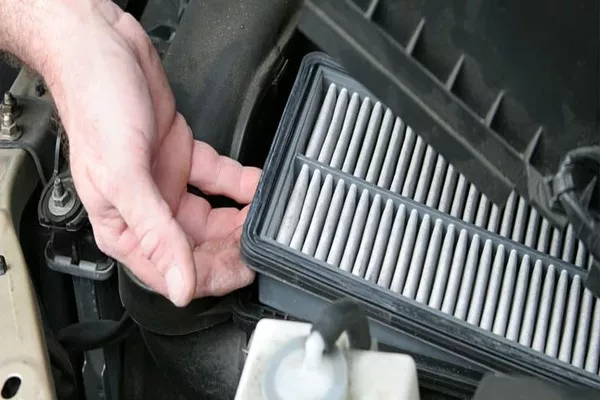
159,238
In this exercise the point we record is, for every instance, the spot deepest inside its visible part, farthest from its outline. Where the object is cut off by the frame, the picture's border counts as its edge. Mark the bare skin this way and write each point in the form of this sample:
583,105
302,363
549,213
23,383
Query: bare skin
132,155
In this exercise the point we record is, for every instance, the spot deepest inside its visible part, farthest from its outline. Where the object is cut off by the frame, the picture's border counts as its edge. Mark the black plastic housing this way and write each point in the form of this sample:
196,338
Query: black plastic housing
448,351
502,89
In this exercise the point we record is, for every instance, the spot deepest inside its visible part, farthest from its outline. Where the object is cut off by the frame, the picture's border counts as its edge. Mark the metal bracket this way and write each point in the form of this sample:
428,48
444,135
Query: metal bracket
35,117
24,365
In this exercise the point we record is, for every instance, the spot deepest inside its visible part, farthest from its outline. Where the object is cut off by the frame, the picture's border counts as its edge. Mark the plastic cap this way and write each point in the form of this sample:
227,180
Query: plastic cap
289,377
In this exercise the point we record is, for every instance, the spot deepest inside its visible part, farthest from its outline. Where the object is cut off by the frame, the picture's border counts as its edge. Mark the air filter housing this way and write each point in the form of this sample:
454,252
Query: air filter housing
353,203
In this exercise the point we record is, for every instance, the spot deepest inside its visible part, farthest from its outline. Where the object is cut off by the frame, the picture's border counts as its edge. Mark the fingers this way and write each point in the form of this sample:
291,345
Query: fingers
145,271
115,239
157,236
220,269
203,223
215,174
171,167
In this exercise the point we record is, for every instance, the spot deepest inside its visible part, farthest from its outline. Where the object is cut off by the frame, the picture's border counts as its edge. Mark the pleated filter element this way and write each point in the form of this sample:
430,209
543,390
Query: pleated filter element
353,202
417,255
364,138
420,256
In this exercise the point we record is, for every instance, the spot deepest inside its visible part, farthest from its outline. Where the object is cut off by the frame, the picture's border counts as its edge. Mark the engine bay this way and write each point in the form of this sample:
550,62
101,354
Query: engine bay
400,170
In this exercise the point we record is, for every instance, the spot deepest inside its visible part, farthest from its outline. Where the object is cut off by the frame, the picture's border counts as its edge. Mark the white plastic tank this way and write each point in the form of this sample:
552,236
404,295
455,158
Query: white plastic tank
287,362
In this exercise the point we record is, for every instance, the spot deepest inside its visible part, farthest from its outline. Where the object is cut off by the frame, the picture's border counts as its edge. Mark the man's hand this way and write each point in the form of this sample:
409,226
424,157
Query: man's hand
132,156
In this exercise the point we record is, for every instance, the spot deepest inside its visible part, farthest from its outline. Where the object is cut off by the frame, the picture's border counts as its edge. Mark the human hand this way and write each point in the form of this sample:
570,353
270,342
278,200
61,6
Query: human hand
132,156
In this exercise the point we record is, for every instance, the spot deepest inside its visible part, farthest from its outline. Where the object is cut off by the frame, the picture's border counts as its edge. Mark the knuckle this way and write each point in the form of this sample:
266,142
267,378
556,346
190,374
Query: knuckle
108,235
129,23
153,246
141,40
147,48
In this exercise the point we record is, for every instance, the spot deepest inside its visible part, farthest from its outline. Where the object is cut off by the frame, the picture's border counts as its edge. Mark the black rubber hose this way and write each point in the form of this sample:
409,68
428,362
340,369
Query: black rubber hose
341,316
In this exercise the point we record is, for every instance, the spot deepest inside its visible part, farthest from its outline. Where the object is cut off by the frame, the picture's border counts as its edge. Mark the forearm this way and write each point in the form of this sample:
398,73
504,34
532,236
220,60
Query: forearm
36,31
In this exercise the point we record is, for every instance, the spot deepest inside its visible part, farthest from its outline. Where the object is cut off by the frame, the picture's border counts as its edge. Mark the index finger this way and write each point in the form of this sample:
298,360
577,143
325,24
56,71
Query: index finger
203,223
155,233
219,175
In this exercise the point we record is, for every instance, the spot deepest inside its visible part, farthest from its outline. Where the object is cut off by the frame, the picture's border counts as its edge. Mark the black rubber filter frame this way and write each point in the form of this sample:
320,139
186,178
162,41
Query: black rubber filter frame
298,284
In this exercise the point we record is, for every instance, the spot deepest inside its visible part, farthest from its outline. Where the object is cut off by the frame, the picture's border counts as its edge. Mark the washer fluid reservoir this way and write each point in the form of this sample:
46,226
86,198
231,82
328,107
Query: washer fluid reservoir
328,360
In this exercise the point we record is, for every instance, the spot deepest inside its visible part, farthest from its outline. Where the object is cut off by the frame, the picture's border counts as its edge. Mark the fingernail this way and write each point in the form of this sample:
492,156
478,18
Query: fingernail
174,281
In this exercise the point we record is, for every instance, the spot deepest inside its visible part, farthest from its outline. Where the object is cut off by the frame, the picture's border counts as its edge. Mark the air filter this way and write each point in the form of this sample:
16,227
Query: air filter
354,203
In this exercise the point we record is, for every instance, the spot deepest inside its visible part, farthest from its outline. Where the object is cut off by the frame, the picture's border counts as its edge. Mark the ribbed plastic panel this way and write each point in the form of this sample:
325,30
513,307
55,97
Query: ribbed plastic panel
353,202
434,262
364,139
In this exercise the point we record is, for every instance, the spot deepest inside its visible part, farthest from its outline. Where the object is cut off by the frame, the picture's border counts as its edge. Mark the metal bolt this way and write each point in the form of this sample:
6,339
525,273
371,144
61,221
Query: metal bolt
60,195
9,104
59,188
9,129
3,266
9,99
7,119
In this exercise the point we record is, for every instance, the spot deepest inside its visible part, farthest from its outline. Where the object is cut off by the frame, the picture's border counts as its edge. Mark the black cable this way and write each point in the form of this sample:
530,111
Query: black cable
65,378
584,224
85,336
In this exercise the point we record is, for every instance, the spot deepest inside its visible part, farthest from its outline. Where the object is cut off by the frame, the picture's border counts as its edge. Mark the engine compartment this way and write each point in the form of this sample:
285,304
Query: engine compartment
109,337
